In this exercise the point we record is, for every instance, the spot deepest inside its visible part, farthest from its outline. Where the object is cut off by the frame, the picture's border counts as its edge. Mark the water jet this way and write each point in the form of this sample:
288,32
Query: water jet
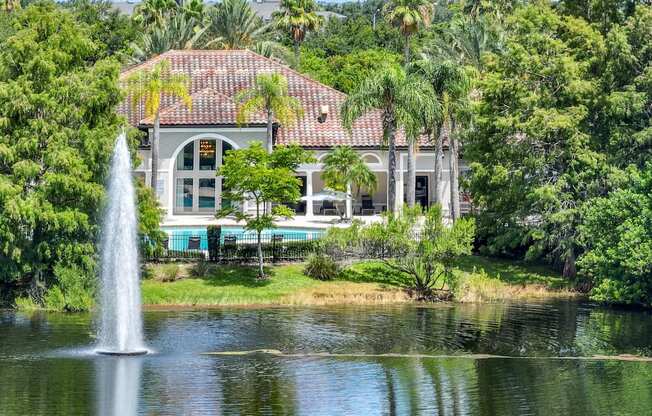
120,320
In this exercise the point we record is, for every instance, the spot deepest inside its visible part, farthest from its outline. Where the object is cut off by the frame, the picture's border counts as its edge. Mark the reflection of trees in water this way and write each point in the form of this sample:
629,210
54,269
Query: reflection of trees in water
429,386
256,385
563,387
45,387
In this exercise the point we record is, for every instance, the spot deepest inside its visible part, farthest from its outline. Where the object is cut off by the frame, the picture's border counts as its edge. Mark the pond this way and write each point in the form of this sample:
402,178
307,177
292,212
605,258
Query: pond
501,359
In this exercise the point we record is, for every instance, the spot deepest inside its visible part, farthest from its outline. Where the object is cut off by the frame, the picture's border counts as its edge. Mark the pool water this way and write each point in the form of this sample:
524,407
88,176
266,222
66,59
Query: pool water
180,236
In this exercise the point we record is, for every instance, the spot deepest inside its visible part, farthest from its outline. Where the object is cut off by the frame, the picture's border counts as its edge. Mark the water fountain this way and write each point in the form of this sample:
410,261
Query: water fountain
121,326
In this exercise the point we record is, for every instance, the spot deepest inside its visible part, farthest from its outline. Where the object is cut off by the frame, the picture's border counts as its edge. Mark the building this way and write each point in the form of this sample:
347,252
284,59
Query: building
192,142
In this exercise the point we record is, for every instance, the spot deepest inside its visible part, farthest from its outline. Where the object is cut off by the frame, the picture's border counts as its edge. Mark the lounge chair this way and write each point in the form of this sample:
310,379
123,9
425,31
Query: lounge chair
367,206
328,208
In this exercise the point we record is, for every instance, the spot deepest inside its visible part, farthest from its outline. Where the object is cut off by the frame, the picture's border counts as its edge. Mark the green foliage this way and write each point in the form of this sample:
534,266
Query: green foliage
420,249
346,72
265,179
400,98
344,168
297,17
200,269
425,263
341,243
73,292
57,128
616,234
233,24
269,95
110,29
533,165
321,267
169,272
354,34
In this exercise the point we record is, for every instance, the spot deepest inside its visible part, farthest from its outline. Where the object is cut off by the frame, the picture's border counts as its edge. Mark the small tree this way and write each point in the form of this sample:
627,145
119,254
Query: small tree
423,256
344,167
265,178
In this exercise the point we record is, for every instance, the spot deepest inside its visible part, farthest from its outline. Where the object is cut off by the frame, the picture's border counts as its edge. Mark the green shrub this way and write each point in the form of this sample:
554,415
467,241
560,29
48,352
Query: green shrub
321,267
147,272
200,269
169,272
74,292
26,304
54,299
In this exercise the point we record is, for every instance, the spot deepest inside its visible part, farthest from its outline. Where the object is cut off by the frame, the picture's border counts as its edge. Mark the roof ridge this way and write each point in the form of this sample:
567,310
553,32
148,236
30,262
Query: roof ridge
294,71
151,61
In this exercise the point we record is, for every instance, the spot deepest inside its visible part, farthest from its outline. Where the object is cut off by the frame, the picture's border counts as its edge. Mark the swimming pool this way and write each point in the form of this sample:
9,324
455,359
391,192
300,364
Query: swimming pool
179,237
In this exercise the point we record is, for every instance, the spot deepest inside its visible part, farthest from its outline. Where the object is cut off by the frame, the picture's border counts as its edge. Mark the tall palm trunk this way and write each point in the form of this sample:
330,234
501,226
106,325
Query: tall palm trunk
454,172
270,144
390,123
439,153
297,54
155,142
412,173
270,130
412,152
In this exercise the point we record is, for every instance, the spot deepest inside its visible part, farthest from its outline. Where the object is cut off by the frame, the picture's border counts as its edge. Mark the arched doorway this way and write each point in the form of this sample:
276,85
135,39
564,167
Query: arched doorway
195,187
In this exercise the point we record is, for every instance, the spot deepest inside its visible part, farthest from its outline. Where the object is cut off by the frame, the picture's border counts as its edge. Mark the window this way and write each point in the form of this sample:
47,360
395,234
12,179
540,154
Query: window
207,152
206,194
186,158
225,148
184,194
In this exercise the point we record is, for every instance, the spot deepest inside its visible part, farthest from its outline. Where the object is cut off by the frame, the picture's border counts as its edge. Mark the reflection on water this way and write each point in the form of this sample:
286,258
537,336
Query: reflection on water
118,384
40,376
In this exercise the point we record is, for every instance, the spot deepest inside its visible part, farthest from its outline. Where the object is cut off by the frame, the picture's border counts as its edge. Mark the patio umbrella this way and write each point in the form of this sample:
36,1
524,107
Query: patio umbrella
328,195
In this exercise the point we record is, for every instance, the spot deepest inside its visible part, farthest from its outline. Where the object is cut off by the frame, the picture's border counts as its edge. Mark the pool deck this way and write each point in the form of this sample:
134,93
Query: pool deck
320,222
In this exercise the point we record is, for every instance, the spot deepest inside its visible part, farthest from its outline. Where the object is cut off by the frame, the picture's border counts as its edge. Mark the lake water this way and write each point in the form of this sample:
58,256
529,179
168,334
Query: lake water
397,360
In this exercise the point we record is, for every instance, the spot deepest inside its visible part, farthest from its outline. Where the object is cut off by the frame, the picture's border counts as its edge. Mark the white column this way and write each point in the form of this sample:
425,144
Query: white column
309,213
349,202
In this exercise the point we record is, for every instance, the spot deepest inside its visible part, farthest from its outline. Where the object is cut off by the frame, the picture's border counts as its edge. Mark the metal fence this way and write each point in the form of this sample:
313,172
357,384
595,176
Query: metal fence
231,248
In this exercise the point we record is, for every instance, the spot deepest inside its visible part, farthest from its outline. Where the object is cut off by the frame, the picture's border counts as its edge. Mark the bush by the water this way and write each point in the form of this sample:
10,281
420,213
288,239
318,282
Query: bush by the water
321,267
420,249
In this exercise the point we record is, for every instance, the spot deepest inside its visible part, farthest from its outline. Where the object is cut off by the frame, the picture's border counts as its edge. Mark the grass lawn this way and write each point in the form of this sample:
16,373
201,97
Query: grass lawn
481,280
286,285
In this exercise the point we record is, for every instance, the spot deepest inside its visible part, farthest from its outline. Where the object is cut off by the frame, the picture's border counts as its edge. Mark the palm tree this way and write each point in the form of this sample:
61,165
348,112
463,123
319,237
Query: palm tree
398,98
409,16
449,81
151,13
180,32
149,86
233,24
297,17
344,168
465,40
269,95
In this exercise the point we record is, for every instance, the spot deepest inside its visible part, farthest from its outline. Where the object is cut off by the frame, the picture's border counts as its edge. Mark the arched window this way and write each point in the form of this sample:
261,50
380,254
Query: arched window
370,158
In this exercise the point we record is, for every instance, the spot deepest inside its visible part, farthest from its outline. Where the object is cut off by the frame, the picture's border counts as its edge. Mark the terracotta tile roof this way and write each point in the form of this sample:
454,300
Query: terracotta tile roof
217,75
